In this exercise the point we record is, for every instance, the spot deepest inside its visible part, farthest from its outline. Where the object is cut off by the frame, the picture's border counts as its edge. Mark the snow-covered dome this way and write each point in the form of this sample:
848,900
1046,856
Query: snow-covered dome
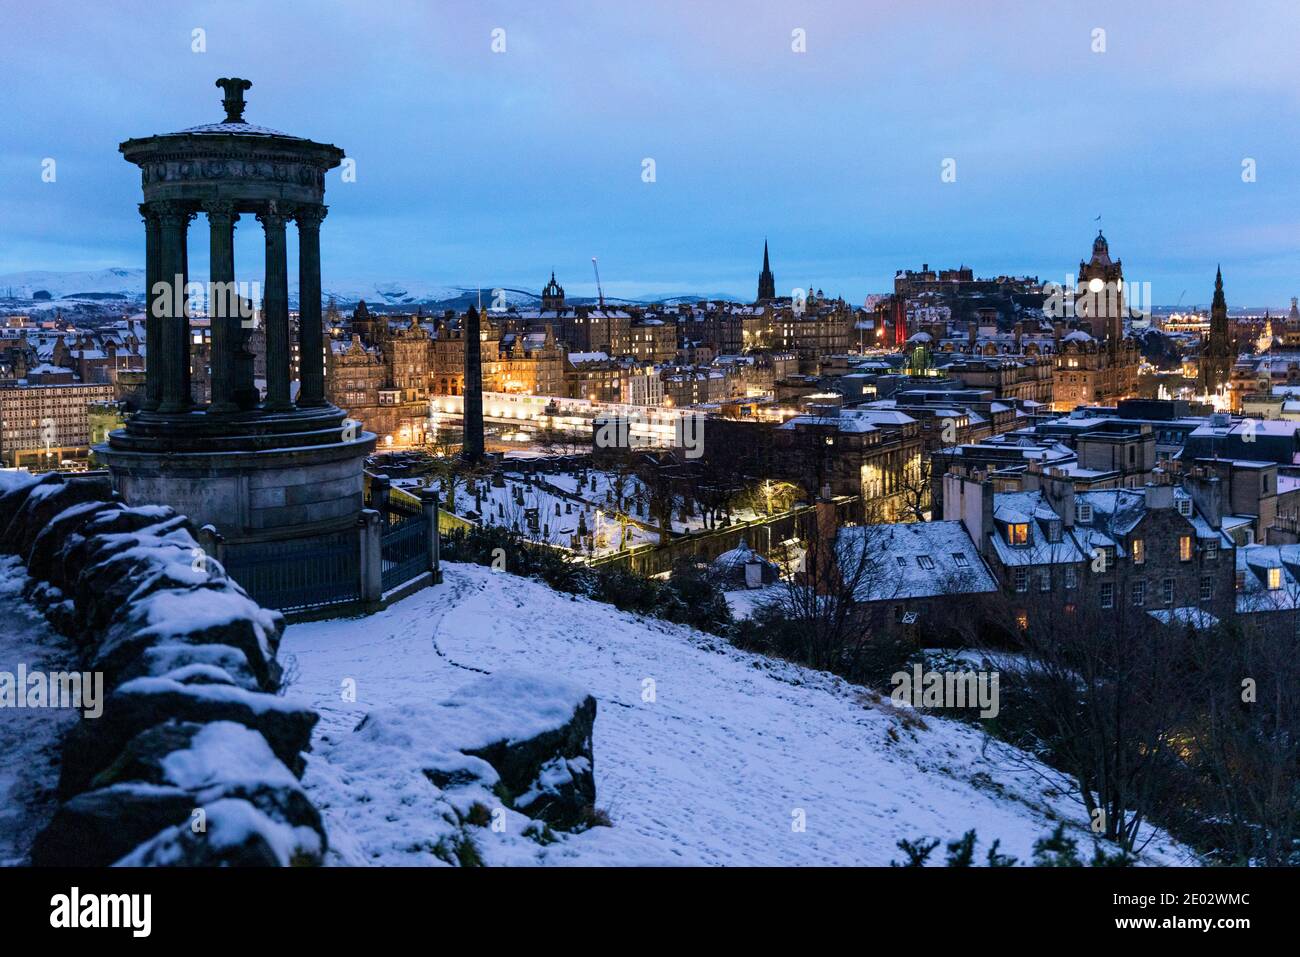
739,557
242,129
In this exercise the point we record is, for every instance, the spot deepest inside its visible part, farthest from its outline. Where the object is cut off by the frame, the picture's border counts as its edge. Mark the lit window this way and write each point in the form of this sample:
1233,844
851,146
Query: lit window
1018,534
1274,579
1184,548
1139,551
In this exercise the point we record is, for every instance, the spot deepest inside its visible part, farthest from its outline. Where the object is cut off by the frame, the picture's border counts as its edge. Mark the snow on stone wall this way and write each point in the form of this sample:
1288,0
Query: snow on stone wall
194,758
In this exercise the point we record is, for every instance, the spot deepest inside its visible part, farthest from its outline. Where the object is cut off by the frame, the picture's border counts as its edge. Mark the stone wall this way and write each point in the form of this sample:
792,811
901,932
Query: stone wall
195,758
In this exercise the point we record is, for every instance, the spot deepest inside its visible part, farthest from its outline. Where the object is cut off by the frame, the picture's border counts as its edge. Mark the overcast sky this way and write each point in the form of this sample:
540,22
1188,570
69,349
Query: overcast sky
481,167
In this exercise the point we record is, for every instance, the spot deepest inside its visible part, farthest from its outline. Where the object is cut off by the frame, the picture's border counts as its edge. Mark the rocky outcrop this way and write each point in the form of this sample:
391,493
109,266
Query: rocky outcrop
524,738
549,775
195,758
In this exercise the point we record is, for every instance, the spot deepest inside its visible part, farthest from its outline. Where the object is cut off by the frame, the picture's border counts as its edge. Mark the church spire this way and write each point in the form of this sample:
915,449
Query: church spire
766,281
1216,358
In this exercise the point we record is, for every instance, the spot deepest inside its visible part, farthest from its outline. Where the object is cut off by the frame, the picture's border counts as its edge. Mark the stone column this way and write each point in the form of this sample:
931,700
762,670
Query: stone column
223,305
152,320
275,308
187,329
174,326
429,508
371,525
381,488
311,358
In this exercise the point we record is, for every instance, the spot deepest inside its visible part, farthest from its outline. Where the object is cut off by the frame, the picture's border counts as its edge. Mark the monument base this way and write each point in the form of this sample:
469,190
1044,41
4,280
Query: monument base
254,479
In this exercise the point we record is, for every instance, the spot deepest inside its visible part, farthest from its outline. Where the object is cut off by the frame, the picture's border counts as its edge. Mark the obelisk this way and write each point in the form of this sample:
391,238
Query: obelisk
472,443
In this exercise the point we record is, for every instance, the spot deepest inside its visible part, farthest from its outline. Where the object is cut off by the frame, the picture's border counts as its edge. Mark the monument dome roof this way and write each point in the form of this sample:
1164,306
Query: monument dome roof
242,129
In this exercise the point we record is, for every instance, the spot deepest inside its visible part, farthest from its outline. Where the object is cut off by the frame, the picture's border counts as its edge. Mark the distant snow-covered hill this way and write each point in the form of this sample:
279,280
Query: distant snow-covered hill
44,287
117,282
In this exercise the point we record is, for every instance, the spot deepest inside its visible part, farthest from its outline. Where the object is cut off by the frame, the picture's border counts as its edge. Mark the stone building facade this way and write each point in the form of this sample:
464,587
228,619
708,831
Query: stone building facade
385,374
1147,549
40,425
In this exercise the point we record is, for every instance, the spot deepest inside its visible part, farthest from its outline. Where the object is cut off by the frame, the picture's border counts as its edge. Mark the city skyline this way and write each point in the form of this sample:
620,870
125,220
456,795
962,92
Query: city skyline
474,166
684,434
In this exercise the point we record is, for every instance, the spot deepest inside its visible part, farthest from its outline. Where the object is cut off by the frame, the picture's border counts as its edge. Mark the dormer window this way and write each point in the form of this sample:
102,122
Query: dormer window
1274,579
1054,531
1185,507
1083,512
1018,533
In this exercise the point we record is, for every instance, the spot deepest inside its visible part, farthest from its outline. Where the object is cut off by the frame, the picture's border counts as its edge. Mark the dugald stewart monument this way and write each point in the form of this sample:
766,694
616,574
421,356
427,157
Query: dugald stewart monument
273,475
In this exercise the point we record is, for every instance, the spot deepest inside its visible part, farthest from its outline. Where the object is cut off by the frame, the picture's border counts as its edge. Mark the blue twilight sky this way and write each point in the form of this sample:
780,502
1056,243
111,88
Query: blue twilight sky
481,167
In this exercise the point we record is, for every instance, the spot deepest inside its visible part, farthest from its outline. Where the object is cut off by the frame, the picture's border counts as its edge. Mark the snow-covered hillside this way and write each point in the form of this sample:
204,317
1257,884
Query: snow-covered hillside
703,754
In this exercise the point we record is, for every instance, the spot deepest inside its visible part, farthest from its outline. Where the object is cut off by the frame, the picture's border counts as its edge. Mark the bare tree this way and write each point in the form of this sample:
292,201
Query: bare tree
1245,741
914,491
1098,690
769,496
827,605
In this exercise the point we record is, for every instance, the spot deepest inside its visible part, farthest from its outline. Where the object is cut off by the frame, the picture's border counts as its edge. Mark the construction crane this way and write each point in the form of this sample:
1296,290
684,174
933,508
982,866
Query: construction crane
599,292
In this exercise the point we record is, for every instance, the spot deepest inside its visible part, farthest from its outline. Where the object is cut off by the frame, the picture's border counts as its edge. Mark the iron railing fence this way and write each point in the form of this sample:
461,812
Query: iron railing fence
299,574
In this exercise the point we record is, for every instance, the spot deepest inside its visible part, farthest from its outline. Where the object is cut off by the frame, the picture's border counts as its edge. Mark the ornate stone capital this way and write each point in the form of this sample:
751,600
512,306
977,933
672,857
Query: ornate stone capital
276,214
220,209
149,213
171,213
309,216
